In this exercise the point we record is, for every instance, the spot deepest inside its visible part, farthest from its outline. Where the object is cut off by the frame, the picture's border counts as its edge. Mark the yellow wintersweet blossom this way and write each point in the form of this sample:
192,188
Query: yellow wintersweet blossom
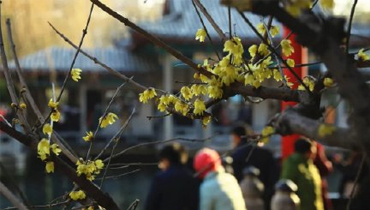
266,133
99,164
328,82
22,106
261,28
256,83
206,120
186,93
274,30
53,104
55,115
89,168
252,50
199,107
277,75
199,89
89,136
56,150
77,195
201,35
43,149
263,49
214,91
108,119
327,4
49,167
286,47
362,56
181,107
146,95
76,74
290,62
248,79
47,129
162,107
325,129
235,47
309,83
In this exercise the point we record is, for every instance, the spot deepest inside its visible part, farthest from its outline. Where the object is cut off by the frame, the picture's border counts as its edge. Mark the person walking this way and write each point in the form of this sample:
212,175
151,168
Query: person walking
174,188
219,190
299,168
245,155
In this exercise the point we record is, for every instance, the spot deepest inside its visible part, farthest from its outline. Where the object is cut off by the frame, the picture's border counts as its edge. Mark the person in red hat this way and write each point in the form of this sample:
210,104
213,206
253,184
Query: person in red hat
219,190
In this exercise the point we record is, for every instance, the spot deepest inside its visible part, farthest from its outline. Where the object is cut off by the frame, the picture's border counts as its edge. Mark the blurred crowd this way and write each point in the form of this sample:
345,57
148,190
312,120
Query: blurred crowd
249,177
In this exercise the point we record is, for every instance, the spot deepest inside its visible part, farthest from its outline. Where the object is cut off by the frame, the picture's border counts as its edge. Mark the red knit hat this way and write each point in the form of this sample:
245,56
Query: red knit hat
206,160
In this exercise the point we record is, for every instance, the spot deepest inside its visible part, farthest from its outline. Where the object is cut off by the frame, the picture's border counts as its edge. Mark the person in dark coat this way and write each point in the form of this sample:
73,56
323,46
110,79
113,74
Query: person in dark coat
174,188
245,155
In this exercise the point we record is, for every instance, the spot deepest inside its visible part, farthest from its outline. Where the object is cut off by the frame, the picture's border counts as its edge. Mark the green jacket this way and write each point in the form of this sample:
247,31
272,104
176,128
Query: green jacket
304,173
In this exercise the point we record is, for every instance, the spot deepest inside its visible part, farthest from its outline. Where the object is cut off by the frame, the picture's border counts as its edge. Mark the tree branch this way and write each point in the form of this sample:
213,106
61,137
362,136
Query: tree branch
323,38
90,188
290,121
155,40
11,197
210,20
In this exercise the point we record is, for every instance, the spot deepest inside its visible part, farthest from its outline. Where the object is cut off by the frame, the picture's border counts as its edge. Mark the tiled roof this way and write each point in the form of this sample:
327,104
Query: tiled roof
60,59
183,22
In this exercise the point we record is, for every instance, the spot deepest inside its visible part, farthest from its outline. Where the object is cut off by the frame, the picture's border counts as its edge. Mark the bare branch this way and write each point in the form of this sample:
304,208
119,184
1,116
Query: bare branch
25,90
10,84
210,20
290,121
11,197
350,24
117,137
84,32
156,142
89,187
205,28
95,60
152,38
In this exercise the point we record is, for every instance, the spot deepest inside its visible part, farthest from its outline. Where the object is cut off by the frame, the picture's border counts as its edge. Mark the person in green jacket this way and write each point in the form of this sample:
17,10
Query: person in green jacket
300,169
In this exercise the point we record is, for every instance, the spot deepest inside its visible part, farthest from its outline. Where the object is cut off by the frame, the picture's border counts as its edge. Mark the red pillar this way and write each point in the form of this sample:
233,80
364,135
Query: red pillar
299,56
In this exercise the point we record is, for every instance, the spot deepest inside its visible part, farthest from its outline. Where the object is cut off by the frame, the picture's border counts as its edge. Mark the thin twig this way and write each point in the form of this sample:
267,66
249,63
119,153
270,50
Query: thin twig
18,69
84,32
119,166
155,40
205,28
46,206
11,197
268,34
10,84
117,135
117,176
104,114
359,171
274,51
116,138
15,185
66,149
134,205
210,20
229,19
350,24
95,60
5,120
158,142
